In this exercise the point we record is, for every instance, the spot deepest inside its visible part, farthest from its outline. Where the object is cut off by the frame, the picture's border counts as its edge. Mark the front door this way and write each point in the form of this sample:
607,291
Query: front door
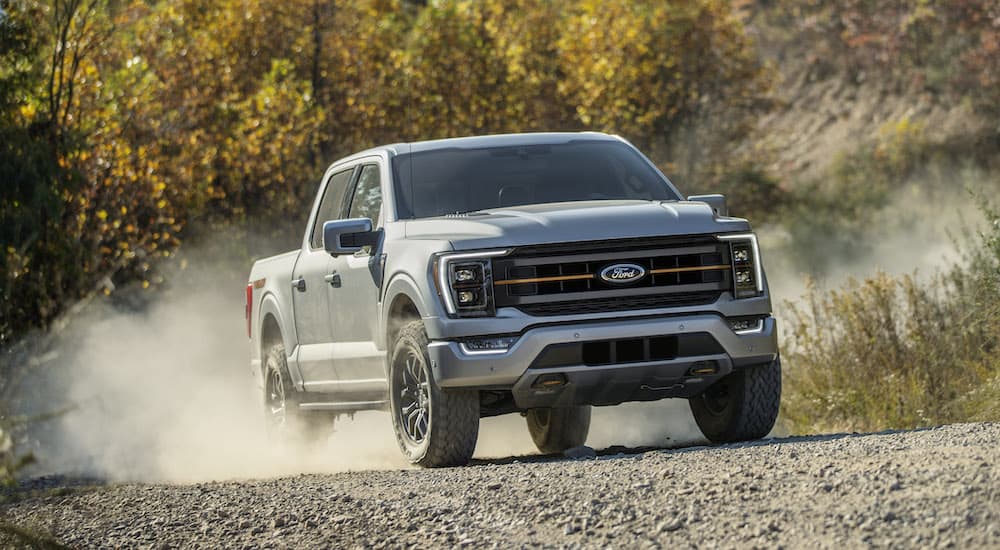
355,302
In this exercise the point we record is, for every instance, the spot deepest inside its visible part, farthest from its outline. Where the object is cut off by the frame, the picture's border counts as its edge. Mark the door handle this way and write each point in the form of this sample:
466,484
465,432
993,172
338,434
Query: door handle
299,284
333,279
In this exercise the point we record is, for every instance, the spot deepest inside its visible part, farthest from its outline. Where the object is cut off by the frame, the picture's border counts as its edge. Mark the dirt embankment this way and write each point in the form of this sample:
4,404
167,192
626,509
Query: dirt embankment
926,488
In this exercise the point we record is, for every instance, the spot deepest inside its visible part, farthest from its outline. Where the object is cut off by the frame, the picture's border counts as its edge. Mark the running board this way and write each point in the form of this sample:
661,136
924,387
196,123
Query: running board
347,406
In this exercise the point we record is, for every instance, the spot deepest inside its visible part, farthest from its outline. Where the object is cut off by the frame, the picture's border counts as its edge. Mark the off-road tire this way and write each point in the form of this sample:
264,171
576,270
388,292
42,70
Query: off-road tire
742,406
299,427
452,416
557,429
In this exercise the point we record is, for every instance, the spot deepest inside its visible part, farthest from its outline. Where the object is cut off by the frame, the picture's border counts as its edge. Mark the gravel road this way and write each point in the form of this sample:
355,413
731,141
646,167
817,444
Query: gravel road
935,487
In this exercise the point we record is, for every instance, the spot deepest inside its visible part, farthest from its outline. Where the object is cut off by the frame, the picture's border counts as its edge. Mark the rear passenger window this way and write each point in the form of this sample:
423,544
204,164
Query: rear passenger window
332,205
367,200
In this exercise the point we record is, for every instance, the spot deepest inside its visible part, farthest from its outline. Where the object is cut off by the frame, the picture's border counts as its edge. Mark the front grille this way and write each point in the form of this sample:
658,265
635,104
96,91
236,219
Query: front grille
566,278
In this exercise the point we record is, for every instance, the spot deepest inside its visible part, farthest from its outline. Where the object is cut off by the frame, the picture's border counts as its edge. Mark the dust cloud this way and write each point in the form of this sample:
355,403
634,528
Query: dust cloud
915,233
156,386
165,393
666,423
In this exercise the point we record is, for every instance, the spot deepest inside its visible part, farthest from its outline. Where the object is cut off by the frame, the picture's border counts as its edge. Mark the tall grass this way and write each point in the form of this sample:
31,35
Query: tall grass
898,352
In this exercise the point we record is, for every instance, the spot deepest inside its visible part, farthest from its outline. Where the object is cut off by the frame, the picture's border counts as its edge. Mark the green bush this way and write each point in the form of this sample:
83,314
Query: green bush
897,352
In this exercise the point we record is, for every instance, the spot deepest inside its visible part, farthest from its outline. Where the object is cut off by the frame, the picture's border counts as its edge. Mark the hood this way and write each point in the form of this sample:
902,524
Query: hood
572,222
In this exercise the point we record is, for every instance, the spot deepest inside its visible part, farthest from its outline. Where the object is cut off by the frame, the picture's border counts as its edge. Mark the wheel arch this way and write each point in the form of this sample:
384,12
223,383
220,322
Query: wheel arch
272,325
402,304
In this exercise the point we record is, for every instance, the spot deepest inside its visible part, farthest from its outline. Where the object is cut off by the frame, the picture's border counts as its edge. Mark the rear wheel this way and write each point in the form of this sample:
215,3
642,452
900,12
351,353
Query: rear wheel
283,419
434,427
741,406
556,429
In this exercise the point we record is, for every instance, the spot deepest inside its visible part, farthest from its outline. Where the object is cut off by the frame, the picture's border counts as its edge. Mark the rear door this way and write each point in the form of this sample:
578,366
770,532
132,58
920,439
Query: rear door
310,295
355,302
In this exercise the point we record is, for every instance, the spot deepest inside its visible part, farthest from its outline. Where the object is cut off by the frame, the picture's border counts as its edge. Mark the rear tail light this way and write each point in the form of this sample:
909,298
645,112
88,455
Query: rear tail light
249,308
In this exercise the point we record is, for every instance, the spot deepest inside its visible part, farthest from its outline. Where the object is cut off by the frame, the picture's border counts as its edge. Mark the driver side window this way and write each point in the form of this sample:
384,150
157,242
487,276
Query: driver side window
332,205
367,199
366,202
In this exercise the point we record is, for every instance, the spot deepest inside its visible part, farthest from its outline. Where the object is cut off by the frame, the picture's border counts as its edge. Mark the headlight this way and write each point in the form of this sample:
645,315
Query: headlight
748,276
465,282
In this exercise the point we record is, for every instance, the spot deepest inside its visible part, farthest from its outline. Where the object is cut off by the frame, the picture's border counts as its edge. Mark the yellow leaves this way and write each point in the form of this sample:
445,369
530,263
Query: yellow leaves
102,215
161,204
28,111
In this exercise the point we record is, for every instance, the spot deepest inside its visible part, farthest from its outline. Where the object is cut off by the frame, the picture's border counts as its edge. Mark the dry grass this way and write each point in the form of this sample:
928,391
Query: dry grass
898,352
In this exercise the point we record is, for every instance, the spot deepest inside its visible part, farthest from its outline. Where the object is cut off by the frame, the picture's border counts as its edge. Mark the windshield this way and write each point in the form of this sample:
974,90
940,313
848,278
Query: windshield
449,181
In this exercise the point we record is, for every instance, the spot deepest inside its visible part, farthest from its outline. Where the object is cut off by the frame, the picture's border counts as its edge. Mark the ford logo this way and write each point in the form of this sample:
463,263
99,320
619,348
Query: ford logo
620,274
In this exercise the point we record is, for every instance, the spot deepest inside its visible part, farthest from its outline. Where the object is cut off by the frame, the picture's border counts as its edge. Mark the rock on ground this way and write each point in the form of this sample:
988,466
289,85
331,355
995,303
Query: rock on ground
936,487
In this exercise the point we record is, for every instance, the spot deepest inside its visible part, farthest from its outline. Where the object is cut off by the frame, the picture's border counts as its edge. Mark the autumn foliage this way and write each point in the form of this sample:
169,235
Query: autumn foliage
126,124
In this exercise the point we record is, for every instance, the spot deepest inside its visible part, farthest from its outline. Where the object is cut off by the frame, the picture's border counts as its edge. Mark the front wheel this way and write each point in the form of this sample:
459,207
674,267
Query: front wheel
434,427
741,406
557,429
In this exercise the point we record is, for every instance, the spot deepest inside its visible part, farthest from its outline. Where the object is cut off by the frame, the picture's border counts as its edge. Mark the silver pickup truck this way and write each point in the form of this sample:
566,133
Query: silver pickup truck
541,274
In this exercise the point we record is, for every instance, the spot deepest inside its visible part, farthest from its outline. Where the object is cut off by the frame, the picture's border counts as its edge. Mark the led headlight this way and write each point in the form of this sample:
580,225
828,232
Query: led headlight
465,282
468,273
468,298
748,276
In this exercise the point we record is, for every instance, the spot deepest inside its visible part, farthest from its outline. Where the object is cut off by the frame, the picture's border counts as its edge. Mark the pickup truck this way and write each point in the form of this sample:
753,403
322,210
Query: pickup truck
540,274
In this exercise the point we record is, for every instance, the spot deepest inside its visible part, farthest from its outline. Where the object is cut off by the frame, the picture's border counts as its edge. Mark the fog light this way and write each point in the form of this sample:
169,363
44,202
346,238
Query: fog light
746,325
497,344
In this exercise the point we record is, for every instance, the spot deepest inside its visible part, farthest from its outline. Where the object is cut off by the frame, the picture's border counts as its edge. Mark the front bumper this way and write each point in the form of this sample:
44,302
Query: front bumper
604,384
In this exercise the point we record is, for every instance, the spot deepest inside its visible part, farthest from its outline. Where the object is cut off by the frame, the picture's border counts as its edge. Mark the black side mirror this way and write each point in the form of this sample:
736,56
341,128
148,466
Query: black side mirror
716,201
348,236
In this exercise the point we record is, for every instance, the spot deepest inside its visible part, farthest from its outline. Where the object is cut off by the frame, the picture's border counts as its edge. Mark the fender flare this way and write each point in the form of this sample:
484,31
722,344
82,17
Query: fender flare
269,306
401,284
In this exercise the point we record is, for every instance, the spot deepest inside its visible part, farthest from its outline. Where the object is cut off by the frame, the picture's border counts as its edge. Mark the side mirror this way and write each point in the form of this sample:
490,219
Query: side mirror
717,202
348,236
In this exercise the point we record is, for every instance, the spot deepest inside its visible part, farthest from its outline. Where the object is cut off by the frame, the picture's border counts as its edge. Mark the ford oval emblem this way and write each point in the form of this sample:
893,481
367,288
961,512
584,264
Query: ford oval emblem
620,274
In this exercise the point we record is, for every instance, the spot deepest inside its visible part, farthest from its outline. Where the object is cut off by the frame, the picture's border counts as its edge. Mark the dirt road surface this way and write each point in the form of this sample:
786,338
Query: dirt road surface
936,487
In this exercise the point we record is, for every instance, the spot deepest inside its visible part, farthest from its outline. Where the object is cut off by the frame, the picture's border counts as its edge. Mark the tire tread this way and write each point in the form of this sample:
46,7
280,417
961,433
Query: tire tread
454,416
754,406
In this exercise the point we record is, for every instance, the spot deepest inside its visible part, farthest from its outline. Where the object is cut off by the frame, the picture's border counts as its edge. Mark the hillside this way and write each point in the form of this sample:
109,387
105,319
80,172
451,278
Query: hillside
856,136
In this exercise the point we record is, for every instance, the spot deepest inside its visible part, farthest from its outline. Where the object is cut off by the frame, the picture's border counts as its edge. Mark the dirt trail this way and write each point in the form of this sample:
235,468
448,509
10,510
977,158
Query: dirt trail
936,487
